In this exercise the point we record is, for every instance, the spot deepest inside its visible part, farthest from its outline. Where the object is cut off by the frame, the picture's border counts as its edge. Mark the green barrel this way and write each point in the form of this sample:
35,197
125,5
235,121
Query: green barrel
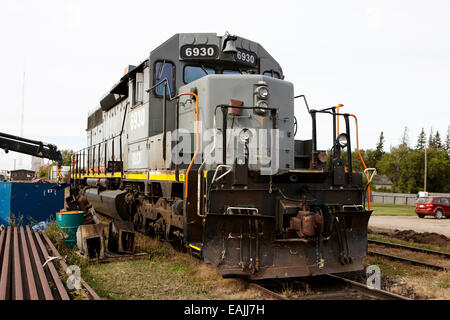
69,221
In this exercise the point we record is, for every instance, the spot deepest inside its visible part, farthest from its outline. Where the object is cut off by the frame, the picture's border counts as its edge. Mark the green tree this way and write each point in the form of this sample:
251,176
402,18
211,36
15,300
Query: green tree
431,139
437,141
438,171
405,138
379,151
421,141
67,157
447,140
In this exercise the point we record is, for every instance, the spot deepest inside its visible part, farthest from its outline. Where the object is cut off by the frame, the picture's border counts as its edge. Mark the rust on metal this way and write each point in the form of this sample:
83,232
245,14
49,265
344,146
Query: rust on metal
267,292
4,278
28,271
65,269
42,283
54,274
17,274
28,268
90,240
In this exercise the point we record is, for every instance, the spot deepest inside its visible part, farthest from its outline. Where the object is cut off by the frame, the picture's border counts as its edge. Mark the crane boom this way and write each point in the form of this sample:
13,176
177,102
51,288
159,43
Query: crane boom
31,147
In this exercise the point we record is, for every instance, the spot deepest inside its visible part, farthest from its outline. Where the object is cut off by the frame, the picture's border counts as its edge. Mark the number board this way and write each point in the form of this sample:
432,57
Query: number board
201,51
246,57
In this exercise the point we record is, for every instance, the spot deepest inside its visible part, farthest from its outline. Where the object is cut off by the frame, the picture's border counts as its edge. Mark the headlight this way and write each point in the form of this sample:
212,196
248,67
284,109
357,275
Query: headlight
261,104
342,140
245,136
262,92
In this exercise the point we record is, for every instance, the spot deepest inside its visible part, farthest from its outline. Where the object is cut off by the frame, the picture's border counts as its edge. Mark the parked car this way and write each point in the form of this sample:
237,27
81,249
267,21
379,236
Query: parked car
439,207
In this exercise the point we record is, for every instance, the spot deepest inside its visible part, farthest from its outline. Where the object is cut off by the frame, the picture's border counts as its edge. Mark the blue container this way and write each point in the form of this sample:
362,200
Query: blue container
39,201
69,222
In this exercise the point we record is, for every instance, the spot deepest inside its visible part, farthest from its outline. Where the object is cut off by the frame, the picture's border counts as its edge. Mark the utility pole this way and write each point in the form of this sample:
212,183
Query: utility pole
425,174
22,117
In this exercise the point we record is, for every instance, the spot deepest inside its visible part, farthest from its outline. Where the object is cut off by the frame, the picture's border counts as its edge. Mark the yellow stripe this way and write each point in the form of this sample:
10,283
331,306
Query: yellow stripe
162,177
194,247
96,175
138,176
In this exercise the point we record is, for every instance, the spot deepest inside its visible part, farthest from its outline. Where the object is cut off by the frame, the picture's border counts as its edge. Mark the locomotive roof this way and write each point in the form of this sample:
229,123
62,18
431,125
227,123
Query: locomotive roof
171,49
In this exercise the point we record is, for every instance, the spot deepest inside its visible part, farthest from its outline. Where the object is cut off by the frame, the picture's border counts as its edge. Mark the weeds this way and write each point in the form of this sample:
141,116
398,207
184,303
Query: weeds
15,221
444,284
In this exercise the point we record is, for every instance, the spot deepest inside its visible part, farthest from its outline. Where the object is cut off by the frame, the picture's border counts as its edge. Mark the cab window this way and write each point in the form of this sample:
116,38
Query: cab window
138,89
192,73
272,74
164,70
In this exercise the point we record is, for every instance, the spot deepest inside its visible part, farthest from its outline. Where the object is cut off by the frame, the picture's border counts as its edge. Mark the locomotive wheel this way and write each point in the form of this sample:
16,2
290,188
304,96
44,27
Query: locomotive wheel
161,228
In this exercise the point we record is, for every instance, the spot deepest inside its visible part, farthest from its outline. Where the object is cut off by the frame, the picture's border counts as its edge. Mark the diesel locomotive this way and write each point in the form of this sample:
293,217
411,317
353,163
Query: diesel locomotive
197,145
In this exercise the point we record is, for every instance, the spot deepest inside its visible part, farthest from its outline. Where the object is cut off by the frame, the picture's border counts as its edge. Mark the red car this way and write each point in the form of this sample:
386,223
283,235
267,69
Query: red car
437,206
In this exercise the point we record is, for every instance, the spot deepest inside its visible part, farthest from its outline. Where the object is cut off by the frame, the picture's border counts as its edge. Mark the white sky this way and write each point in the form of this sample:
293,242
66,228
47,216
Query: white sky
388,62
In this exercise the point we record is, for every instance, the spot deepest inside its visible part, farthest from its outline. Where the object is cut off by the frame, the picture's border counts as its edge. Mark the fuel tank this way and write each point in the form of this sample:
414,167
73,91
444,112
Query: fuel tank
108,202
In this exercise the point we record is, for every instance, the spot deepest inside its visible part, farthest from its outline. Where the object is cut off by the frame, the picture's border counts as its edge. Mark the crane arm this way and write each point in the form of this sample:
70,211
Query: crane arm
31,147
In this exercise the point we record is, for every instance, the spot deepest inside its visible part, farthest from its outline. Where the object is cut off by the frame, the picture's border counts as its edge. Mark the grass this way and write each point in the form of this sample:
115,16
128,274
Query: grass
167,275
383,209
413,281
424,282
444,284
386,268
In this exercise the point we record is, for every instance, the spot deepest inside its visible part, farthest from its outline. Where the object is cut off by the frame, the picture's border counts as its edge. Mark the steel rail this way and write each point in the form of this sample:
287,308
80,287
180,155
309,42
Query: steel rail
410,261
28,267
267,292
363,288
37,264
27,270
18,293
401,246
54,274
65,269
4,278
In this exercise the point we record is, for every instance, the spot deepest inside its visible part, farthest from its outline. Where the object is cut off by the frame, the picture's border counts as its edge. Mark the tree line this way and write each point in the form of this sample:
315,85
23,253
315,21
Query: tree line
404,165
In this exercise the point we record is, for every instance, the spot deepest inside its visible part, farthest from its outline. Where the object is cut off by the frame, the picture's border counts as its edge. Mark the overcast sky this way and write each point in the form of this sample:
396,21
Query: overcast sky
388,62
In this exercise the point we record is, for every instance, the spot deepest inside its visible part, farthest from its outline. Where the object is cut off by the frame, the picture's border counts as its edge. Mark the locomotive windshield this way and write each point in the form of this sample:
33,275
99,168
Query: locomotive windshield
192,73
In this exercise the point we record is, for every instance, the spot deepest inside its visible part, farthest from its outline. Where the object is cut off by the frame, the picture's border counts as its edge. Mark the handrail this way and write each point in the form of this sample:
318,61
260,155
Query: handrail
196,138
361,158
357,143
122,129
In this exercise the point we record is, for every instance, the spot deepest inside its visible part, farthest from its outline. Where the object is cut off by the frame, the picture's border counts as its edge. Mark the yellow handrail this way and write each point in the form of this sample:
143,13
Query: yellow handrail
360,157
196,140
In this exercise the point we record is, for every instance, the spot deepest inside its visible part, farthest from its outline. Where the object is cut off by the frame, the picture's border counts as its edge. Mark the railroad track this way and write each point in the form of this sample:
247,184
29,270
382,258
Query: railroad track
407,260
400,246
364,289
337,288
410,261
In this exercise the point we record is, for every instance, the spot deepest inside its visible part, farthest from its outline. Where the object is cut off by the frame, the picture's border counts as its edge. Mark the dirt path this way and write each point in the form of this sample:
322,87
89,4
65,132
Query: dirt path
427,224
